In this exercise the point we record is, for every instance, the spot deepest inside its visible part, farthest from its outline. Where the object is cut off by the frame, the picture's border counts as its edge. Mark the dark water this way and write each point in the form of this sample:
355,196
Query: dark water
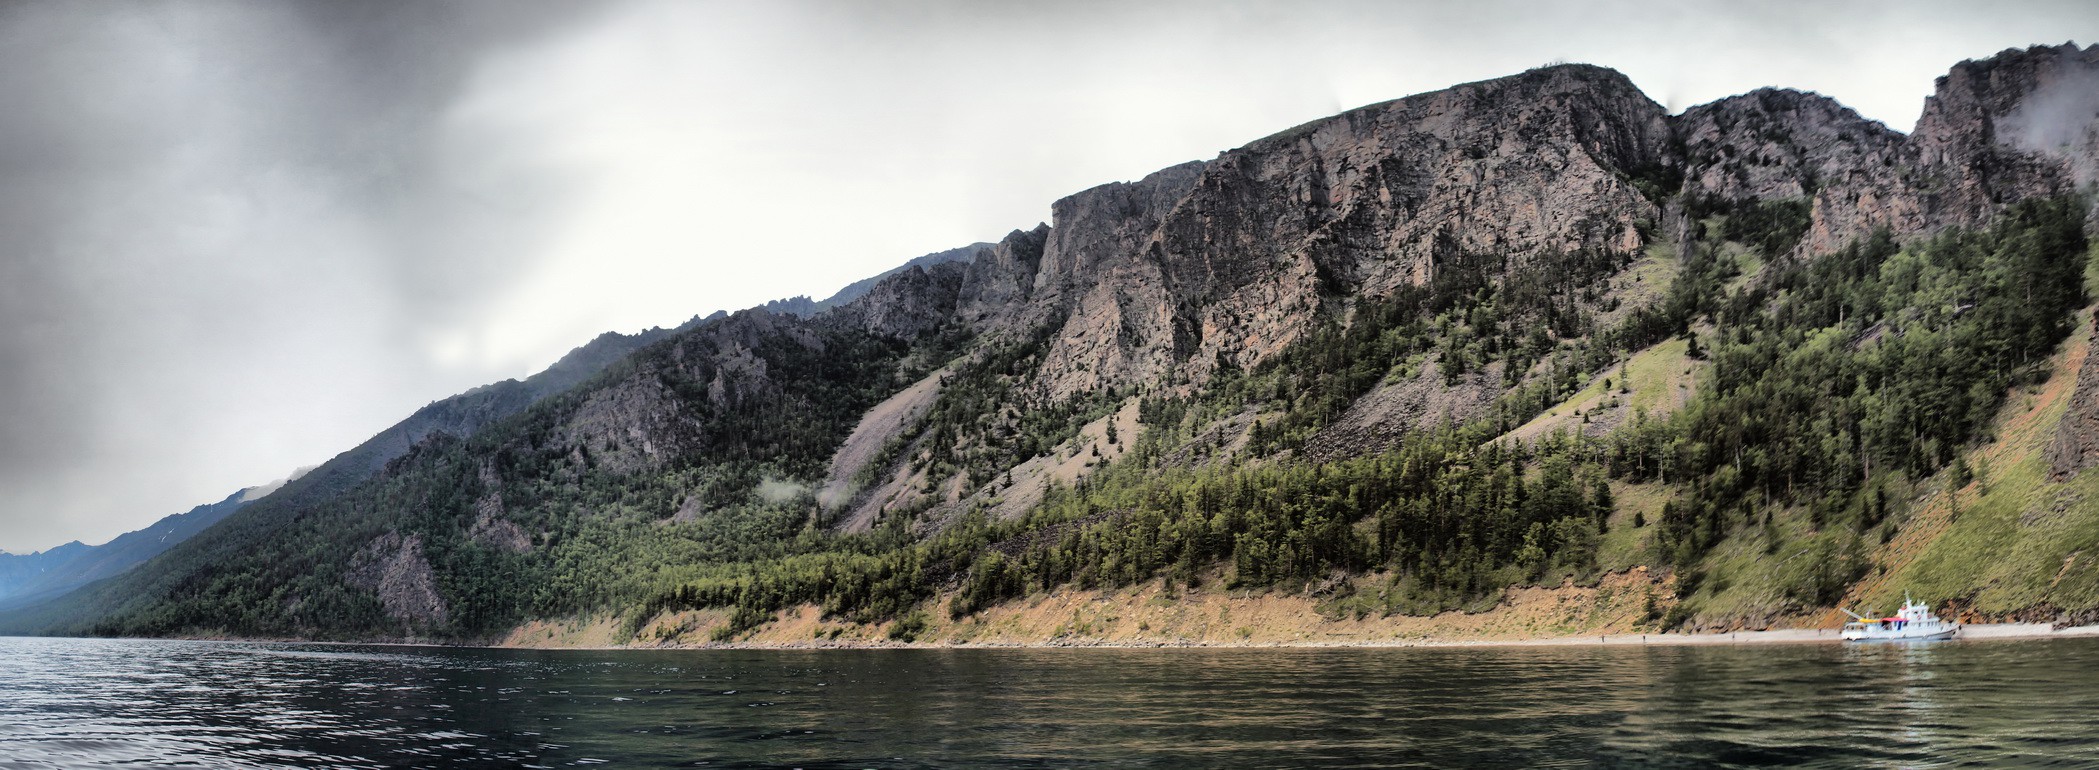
80,703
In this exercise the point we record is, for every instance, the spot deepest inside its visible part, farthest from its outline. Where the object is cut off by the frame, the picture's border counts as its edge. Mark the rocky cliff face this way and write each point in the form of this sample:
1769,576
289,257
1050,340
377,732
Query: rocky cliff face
1000,278
805,307
656,413
1156,282
907,304
2075,445
1102,272
2017,125
1235,258
1232,259
1375,198
394,568
2021,124
1775,144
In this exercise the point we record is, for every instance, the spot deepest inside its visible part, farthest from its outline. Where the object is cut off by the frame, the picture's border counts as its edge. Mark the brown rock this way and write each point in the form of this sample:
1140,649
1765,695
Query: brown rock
393,567
907,304
1774,144
2021,124
2076,443
1266,236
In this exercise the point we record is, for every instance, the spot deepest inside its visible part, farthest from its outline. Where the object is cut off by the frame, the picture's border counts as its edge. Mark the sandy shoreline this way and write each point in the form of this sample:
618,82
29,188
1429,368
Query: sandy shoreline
1971,632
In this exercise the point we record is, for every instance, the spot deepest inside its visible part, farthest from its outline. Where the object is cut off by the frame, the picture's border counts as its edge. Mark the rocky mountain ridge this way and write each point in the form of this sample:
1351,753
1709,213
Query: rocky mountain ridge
1239,255
2018,125
26,579
805,307
1503,220
1228,261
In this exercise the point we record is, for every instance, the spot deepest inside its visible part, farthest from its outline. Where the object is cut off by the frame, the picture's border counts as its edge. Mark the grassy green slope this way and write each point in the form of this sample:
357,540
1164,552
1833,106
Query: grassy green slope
2010,542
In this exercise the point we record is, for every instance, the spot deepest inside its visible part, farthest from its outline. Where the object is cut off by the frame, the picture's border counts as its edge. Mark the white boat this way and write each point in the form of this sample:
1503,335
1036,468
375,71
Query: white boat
1913,623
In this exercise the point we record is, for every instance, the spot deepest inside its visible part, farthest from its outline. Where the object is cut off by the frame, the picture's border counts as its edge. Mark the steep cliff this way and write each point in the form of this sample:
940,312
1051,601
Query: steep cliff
1776,144
1233,259
1000,279
2018,125
907,304
1509,333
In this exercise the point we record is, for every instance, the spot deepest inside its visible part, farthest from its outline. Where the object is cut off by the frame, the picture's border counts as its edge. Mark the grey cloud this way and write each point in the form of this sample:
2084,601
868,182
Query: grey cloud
2062,119
178,183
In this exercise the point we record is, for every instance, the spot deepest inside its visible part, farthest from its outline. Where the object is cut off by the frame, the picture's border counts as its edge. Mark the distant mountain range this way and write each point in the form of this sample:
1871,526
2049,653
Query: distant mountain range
26,579
1402,366
30,579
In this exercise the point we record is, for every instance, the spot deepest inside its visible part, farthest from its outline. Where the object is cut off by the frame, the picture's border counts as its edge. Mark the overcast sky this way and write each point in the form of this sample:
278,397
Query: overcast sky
237,238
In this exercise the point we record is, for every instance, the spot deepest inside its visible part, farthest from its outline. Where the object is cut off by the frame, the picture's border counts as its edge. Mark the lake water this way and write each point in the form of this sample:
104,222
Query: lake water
93,703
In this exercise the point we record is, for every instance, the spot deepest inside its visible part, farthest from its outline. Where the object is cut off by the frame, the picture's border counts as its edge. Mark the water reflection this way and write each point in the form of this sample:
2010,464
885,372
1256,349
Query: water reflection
102,703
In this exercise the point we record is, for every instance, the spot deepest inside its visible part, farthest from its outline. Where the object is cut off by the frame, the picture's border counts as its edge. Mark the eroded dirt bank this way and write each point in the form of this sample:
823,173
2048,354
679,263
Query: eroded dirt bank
1616,611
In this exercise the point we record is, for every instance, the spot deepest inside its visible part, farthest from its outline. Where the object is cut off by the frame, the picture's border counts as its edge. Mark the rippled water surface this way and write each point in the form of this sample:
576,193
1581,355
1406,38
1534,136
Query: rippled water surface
81,703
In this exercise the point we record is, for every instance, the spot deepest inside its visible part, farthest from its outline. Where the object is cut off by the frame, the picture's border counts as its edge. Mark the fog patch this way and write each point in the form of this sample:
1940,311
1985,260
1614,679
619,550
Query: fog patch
779,491
2060,119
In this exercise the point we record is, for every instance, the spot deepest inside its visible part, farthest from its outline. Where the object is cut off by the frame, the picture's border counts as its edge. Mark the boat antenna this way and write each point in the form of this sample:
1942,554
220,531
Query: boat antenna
1854,615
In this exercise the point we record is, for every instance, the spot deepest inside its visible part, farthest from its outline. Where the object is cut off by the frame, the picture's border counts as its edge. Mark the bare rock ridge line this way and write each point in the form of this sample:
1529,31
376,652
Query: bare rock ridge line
1233,258
1993,132
806,307
1230,260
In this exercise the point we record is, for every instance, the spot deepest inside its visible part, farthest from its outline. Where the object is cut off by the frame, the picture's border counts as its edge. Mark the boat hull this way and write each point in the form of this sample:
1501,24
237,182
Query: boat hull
1904,636
1914,623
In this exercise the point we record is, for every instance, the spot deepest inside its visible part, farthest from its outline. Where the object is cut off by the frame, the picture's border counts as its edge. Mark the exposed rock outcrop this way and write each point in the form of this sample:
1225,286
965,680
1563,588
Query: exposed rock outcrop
393,567
1000,279
645,419
1383,417
2017,125
2021,124
1158,281
1233,259
1101,274
1245,259
876,429
2076,443
907,304
490,527
500,533
805,307
1774,144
